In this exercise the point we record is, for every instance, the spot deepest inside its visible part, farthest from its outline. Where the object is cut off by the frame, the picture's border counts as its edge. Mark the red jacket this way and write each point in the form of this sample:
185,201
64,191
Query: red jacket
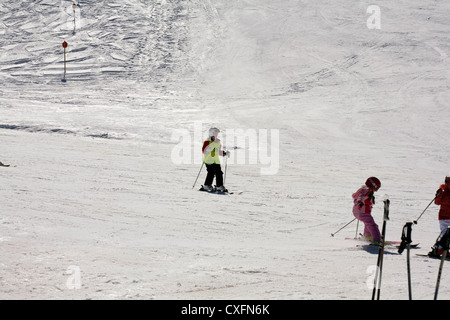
363,200
443,200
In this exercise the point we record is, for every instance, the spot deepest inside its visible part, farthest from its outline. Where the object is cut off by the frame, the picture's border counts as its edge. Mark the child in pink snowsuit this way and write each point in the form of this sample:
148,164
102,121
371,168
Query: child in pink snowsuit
363,200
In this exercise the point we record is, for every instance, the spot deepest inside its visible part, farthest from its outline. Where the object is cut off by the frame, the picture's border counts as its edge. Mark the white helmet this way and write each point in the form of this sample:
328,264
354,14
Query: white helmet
213,132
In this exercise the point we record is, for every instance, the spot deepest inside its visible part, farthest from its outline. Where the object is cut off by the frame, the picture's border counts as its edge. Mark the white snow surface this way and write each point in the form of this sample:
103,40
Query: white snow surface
95,207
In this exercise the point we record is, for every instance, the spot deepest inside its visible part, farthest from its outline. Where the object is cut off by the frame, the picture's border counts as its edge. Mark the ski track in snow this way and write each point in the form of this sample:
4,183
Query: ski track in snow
95,189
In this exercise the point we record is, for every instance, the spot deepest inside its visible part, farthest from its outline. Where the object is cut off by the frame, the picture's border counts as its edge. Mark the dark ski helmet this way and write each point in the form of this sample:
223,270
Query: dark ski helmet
447,179
373,183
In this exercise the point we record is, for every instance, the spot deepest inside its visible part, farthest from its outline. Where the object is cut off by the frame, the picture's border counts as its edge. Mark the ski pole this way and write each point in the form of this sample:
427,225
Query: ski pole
408,267
343,227
226,165
198,174
446,246
444,256
406,242
378,273
415,221
357,224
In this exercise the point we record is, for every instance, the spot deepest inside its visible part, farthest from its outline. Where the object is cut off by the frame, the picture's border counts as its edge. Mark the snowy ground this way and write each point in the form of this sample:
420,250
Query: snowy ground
96,206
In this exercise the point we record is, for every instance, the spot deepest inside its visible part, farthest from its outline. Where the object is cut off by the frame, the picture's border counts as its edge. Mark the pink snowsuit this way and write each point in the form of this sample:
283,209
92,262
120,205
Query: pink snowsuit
362,209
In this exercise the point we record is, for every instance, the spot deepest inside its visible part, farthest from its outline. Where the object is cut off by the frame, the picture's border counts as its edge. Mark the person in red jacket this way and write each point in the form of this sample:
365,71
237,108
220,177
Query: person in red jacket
363,200
442,199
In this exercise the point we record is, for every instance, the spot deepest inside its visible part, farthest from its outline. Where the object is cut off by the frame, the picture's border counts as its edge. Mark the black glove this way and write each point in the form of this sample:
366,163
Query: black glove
439,191
360,204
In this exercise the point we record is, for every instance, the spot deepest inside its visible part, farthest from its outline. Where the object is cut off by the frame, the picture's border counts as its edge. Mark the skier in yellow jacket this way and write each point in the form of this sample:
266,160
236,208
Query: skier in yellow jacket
212,149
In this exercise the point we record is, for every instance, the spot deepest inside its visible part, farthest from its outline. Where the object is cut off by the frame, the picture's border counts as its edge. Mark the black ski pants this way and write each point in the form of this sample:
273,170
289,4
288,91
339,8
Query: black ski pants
214,170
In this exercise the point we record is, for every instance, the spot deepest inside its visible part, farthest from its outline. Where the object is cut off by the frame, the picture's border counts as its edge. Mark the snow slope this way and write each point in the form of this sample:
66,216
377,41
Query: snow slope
97,208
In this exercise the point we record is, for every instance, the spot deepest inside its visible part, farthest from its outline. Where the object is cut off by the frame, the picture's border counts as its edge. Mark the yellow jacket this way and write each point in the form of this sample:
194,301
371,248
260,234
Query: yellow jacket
211,151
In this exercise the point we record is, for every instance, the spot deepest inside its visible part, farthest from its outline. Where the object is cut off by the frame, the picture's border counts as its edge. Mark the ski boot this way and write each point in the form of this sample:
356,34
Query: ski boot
221,189
207,188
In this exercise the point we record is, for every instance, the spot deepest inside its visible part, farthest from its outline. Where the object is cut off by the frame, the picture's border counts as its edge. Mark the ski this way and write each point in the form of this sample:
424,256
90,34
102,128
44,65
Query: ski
432,257
411,246
224,192
386,243
215,191
6,165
